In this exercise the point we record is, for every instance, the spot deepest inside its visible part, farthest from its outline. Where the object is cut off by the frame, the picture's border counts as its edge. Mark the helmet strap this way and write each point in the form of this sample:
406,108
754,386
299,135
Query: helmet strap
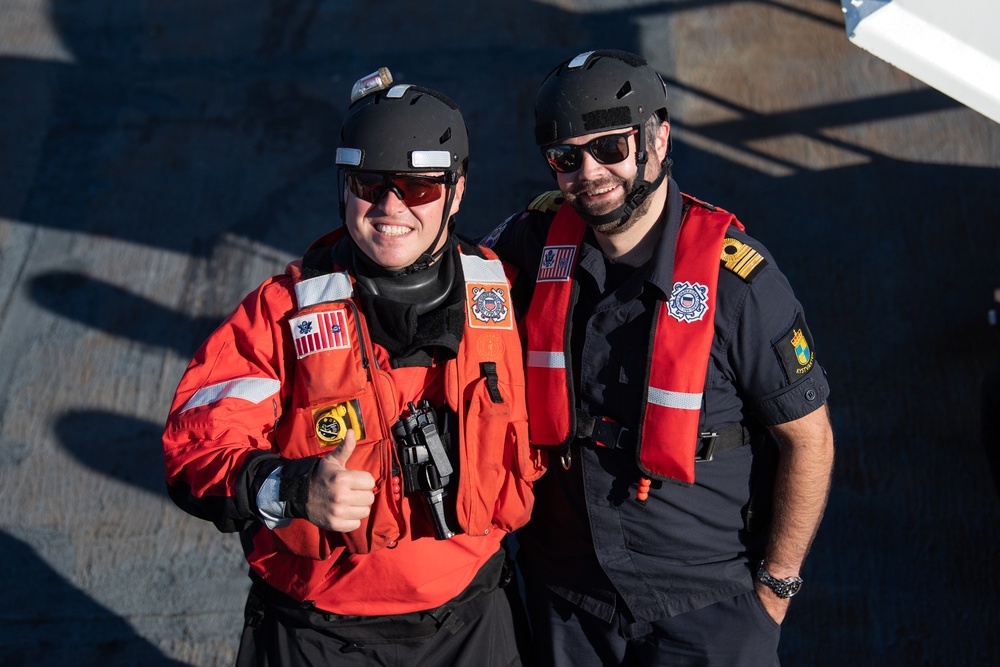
341,184
428,257
641,189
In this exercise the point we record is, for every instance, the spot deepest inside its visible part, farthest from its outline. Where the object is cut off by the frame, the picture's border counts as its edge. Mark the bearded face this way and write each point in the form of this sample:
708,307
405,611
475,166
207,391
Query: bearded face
596,197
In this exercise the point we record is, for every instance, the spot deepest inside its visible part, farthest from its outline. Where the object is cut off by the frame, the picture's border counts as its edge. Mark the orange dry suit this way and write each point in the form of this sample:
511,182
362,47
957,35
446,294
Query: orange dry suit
293,364
336,372
680,343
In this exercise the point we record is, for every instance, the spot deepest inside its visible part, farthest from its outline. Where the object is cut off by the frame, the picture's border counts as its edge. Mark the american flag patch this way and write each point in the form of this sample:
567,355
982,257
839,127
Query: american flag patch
556,264
319,331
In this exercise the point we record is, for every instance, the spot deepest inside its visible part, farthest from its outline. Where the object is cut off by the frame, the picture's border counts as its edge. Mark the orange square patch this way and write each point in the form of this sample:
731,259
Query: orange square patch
487,306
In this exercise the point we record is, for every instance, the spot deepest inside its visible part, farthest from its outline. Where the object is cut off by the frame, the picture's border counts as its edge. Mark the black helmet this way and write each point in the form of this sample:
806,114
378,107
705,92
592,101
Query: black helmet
597,91
401,128
404,128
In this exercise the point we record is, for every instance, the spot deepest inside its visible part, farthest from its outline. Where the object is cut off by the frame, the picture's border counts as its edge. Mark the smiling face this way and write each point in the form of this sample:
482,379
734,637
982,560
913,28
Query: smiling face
596,189
393,234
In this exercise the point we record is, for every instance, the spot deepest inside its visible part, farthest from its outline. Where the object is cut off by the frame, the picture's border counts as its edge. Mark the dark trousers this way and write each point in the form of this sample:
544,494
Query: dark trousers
475,629
737,632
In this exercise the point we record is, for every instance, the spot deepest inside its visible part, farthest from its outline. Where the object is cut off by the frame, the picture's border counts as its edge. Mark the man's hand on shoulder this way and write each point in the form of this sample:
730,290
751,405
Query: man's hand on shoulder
547,203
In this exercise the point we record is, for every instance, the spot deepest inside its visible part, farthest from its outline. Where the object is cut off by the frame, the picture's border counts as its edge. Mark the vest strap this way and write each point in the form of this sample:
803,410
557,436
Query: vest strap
732,437
489,369
603,432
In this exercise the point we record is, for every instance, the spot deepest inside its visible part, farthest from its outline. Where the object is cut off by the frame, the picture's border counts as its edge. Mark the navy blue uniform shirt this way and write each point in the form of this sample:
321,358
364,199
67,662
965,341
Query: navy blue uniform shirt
589,541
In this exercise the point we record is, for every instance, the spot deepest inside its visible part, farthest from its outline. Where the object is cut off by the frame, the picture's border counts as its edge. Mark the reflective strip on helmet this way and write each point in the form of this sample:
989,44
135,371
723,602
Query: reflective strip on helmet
350,157
321,289
430,159
479,270
397,92
254,390
674,399
579,61
538,359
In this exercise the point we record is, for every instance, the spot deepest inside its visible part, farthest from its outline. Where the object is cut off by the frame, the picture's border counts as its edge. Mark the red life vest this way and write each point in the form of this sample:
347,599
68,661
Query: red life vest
336,373
682,341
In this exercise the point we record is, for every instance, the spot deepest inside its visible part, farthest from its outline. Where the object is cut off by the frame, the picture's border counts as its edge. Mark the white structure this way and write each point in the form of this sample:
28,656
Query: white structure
950,45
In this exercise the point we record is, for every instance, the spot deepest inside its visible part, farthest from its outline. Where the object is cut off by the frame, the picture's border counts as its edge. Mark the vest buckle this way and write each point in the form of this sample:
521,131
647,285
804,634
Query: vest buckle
706,446
608,433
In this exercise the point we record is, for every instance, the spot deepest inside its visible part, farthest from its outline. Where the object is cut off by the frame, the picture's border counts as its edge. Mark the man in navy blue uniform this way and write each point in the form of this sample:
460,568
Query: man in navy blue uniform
672,376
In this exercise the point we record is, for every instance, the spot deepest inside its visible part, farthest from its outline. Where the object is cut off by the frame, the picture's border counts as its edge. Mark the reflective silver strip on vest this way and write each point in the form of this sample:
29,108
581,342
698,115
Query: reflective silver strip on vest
254,390
538,359
674,399
479,270
329,287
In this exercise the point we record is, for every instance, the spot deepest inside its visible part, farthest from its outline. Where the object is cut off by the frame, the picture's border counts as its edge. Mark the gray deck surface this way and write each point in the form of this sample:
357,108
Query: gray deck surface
159,159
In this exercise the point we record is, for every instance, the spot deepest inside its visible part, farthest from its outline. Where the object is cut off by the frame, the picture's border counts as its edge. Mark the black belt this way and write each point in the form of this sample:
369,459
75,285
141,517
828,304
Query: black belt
606,433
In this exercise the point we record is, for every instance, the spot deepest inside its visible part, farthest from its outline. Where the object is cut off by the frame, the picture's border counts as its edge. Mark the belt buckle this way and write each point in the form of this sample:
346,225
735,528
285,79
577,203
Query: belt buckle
707,449
613,428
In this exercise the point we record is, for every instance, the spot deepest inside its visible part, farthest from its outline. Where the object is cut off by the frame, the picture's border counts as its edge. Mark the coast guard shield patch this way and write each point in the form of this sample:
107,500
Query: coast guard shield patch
688,302
487,305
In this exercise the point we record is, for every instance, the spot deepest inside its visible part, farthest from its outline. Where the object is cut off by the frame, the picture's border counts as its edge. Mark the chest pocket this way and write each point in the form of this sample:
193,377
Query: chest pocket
337,387
624,342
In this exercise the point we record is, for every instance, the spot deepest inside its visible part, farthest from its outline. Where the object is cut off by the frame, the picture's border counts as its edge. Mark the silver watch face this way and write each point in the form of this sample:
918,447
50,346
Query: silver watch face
783,588
786,588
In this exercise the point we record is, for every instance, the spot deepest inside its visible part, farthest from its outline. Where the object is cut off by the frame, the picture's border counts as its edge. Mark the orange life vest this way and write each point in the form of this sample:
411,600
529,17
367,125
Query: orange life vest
336,374
679,354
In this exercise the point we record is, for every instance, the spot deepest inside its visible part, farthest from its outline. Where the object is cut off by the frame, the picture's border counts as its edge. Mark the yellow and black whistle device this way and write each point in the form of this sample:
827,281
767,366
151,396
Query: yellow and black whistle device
332,422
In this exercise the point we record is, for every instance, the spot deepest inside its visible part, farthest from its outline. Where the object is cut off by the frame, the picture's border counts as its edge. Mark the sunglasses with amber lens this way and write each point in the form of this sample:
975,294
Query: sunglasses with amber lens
607,149
411,190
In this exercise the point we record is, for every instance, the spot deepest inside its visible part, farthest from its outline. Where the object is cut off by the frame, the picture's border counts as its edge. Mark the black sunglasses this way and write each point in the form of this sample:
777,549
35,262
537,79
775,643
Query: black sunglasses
607,149
411,190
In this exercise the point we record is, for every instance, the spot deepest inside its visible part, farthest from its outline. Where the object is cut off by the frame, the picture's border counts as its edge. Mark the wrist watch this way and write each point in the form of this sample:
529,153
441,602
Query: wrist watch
783,588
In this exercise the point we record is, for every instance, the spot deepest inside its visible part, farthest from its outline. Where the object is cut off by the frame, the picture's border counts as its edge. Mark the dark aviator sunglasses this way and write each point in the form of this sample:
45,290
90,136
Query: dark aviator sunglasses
411,190
607,149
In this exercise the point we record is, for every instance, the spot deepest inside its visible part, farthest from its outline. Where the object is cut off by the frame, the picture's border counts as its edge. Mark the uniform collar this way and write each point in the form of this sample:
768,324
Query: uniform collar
662,271
659,271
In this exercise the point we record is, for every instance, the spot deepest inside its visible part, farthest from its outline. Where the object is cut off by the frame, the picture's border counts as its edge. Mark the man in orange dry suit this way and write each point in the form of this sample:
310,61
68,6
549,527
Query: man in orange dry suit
361,420
663,345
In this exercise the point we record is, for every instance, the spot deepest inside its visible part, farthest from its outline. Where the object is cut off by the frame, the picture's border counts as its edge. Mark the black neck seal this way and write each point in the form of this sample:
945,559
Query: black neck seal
425,288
